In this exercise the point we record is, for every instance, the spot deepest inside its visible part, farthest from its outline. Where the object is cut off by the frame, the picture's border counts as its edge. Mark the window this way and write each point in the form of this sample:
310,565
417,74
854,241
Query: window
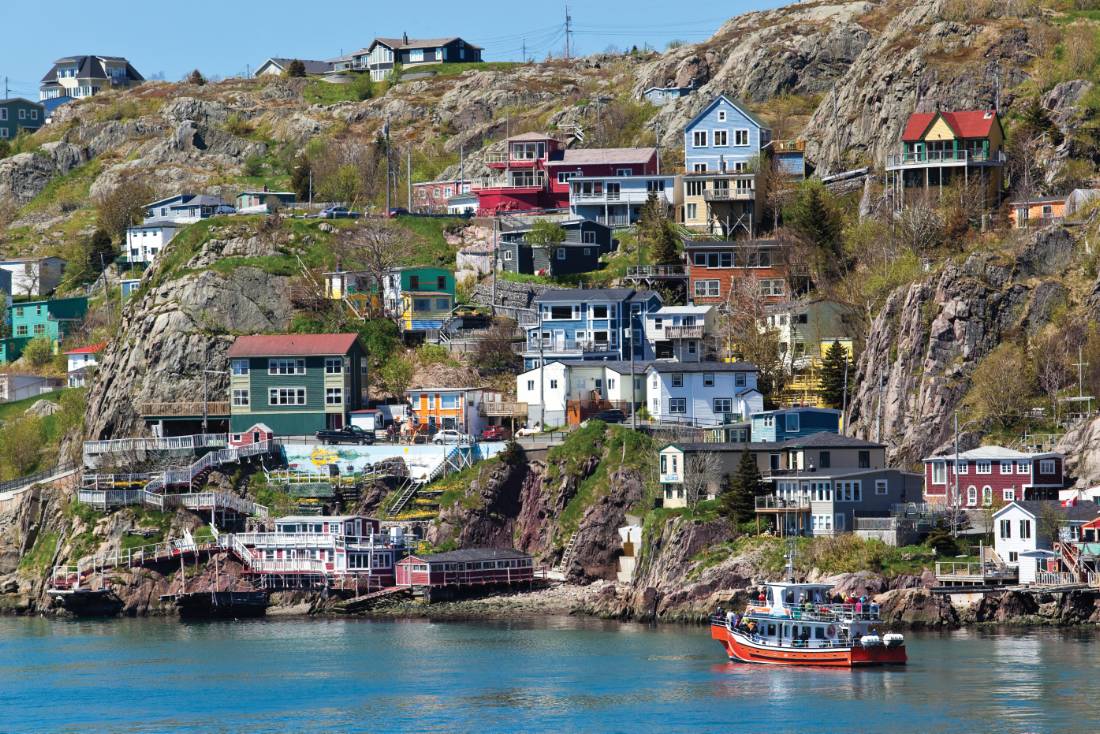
624,172
678,379
721,115
939,472
723,405
677,405
694,188
286,366
561,253
792,421
708,379
22,114
963,467
564,176
971,496
1006,529
34,116
707,289
286,396
1013,556
987,496
553,384
864,459
824,460
1009,495
39,329
1025,529
1006,467
664,464
691,211
416,55
849,491
422,304
882,487
1023,467
599,312
655,185
1046,466
3,114
740,379
334,366
771,287
564,313
699,139
443,304
983,467
334,396
240,398
507,254
721,138
530,384
741,137
21,330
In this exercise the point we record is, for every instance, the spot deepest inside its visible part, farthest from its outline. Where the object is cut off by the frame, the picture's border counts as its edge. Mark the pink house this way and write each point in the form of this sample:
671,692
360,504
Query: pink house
993,473
534,172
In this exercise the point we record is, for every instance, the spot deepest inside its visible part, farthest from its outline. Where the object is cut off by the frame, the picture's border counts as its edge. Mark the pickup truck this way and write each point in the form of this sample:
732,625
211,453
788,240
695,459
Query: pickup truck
347,434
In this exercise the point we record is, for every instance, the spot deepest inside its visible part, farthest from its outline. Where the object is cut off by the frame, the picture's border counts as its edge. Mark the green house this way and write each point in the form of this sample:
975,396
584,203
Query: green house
295,384
20,114
53,319
420,298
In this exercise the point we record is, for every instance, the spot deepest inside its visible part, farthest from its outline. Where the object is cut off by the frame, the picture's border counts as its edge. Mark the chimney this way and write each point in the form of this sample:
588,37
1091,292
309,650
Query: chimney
405,38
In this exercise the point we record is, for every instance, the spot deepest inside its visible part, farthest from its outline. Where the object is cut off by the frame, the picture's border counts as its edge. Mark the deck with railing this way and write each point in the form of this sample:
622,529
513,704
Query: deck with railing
770,503
932,158
171,443
964,573
730,194
498,408
185,408
657,271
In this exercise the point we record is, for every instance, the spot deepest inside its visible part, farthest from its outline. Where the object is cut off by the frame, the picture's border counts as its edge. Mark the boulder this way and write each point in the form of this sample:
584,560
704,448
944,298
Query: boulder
916,608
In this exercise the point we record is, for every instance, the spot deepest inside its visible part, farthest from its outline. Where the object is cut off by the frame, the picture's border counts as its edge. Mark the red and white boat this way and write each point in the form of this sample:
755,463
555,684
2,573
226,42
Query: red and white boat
796,624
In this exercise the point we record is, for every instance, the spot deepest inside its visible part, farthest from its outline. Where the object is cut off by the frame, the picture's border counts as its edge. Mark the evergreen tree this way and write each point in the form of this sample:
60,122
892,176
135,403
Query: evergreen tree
100,251
815,217
739,501
296,68
657,232
196,78
832,375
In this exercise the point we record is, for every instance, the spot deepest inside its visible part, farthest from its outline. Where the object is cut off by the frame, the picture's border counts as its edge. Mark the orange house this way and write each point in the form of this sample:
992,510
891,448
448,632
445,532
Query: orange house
448,407
1039,211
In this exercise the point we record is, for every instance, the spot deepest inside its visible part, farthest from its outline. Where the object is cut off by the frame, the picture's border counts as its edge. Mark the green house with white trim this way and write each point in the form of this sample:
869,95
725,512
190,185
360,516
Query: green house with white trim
18,114
54,319
295,384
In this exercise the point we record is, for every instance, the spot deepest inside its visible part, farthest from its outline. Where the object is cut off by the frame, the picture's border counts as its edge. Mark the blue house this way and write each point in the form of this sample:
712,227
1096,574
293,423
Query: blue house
788,423
185,209
723,147
590,324
660,96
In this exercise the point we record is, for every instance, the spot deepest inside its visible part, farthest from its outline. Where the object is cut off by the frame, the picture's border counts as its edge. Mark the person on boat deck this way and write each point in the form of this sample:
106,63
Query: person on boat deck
761,597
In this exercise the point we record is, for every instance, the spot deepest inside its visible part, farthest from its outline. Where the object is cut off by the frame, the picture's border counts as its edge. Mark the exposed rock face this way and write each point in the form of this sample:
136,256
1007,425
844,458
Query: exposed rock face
177,328
916,608
597,547
924,344
24,176
485,517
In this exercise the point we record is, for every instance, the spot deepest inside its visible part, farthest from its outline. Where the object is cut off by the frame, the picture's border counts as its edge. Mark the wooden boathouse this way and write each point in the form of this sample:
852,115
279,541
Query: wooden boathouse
467,567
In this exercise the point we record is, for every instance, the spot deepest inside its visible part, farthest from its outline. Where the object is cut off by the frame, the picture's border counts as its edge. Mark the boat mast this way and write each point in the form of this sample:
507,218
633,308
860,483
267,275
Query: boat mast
790,560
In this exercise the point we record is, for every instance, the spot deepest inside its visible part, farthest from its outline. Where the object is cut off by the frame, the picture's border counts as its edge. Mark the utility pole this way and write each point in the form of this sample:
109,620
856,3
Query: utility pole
493,265
878,418
568,31
409,177
658,147
525,50
542,372
386,138
1080,364
844,403
205,405
6,91
955,500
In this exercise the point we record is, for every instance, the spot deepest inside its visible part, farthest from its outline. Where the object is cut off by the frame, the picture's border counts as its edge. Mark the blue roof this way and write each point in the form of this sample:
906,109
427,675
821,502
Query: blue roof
53,104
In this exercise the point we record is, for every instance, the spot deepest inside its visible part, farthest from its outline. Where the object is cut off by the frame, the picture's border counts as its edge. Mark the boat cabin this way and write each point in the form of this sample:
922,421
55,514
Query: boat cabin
784,598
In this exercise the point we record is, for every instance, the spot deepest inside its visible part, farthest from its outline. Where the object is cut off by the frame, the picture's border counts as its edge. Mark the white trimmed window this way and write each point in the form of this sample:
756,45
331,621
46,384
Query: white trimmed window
939,472
707,289
1023,467
964,467
983,467
240,398
1006,529
882,487
334,396
699,139
286,366
741,137
849,491
286,396
677,379
971,496
1046,466
721,138
694,188
1008,495
721,115
1006,467
691,210
708,379
677,405
987,496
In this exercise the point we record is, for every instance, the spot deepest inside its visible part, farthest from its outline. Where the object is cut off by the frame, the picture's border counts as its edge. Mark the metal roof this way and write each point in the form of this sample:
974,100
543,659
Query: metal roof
605,156
472,554
660,367
292,345
828,440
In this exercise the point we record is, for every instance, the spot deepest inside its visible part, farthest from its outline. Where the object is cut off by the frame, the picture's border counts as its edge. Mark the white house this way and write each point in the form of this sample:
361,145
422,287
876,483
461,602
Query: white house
144,241
681,333
80,361
1023,528
549,392
33,276
702,393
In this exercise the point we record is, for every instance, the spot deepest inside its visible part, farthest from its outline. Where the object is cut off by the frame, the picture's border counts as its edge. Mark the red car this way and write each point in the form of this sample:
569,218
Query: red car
495,433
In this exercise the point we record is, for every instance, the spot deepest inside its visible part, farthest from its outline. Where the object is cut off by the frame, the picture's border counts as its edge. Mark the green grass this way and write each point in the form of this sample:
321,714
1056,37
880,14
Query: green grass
455,487
432,248
41,553
18,407
454,69
321,92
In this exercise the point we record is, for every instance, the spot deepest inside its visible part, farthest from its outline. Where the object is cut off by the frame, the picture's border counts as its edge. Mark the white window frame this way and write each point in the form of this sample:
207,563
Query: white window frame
983,467
334,366
334,396
274,396
1009,494
882,487
939,472
697,136
286,366
987,496
241,398
1023,467
707,288
971,496
722,134
721,116
1047,466
677,406
238,367
738,134
1025,529
1006,467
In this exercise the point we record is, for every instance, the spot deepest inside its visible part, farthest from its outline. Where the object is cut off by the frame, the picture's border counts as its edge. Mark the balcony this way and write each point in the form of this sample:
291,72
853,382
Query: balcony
532,180
507,160
502,409
669,272
729,194
951,573
789,146
937,158
612,190
782,504
683,332
573,346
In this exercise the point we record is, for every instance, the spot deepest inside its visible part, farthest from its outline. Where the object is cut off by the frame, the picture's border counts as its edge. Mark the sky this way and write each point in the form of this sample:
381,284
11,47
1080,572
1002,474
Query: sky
223,38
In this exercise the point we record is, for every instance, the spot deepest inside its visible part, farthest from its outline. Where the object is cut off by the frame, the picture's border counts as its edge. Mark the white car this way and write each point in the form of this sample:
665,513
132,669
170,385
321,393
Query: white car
450,435
534,431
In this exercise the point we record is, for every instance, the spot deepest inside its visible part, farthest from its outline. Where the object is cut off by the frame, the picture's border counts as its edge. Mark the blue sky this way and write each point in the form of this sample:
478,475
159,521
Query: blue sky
222,37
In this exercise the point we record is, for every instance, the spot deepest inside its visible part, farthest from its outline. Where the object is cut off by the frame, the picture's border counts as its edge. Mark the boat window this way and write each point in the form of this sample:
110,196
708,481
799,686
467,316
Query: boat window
819,633
771,630
789,596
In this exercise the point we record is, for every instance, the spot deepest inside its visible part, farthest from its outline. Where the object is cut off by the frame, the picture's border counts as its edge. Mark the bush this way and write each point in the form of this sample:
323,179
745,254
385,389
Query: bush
237,125
121,206
363,87
196,78
39,351
253,166
21,444
433,354
382,339
296,69
396,375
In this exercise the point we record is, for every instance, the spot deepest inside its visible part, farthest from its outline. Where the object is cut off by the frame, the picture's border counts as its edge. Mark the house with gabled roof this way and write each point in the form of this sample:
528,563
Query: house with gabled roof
383,55
296,384
84,76
723,146
277,66
991,474
18,114
945,148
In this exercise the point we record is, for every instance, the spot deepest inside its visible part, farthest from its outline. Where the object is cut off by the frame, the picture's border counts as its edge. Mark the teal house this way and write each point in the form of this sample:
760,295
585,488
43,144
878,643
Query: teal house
53,319
790,423
18,114
294,384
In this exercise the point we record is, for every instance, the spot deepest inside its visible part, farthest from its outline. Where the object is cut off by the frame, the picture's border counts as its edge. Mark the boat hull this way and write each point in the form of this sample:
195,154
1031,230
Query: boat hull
740,647
222,605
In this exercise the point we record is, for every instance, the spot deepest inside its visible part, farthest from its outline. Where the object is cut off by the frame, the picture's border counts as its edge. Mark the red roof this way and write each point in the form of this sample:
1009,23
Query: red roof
964,123
90,349
292,345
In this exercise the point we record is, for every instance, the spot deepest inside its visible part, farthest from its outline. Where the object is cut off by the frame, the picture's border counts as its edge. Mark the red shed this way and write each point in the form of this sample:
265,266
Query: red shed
469,566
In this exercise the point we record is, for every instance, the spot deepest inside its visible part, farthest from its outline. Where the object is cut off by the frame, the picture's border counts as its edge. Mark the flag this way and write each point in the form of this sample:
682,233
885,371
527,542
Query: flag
1071,502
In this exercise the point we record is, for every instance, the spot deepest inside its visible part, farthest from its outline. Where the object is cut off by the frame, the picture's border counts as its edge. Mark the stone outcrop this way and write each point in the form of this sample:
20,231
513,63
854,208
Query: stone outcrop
24,176
485,516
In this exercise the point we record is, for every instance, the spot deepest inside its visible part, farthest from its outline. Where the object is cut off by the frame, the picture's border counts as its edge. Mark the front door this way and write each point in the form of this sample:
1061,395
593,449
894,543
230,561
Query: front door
334,421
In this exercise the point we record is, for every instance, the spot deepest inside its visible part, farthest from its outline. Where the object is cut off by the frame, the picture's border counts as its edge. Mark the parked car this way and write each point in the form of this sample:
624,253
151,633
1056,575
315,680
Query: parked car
397,211
532,431
338,212
450,435
612,415
495,433
347,434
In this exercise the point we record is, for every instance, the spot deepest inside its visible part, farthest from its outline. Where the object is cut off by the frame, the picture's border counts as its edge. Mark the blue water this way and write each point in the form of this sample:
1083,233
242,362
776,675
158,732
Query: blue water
556,675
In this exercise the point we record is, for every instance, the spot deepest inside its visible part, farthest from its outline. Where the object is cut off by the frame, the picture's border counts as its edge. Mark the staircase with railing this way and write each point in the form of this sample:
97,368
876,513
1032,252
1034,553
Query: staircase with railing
402,496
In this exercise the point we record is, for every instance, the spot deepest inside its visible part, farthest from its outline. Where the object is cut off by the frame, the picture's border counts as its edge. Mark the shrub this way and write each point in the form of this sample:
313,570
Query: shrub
122,205
38,351
395,376
237,125
363,87
296,68
433,354
21,444
253,166
196,78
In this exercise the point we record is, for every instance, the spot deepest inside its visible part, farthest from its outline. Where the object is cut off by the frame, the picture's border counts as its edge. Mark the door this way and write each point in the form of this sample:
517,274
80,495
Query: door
613,189
334,421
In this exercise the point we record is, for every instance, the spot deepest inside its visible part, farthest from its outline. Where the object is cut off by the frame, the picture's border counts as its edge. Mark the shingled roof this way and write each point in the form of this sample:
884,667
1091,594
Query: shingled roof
292,345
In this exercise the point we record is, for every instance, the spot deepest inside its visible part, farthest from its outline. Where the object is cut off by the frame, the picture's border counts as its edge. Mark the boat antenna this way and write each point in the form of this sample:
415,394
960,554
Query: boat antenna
790,560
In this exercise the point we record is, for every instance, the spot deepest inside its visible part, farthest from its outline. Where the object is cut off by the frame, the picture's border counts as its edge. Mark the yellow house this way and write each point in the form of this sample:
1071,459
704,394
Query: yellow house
944,148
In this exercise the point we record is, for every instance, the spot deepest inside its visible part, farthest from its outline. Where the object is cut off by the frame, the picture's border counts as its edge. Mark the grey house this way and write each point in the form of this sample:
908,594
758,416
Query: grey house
580,252
819,503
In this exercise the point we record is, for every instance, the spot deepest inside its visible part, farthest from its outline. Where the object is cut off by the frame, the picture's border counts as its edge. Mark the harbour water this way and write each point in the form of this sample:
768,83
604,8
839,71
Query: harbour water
558,674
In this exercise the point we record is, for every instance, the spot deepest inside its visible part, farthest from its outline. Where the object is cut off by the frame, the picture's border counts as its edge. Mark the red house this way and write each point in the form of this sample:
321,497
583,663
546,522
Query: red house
992,472
468,567
432,196
534,172
716,266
